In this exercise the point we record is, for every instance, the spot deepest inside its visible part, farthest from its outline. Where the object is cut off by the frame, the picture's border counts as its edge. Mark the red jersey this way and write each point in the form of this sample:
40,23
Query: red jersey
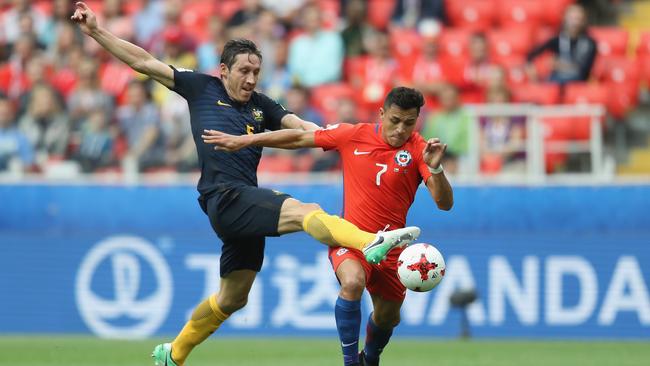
379,181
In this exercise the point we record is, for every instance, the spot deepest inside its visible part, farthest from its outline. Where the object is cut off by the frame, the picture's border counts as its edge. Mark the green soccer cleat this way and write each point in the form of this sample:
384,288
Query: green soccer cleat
162,355
385,241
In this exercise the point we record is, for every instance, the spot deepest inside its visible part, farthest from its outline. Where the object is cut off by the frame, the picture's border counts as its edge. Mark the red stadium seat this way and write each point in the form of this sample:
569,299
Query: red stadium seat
513,65
546,93
282,163
619,70
644,69
453,43
611,41
527,13
406,46
228,8
476,15
380,12
405,43
194,18
508,42
133,6
643,48
622,99
586,93
553,11
325,98
544,65
491,164
621,77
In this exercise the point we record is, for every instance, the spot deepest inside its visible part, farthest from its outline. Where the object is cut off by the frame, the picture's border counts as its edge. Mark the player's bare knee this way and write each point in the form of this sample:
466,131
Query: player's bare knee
232,304
387,321
353,286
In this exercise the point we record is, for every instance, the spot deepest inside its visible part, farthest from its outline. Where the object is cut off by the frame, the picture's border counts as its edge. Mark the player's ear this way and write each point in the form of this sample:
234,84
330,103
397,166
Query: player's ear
381,113
223,69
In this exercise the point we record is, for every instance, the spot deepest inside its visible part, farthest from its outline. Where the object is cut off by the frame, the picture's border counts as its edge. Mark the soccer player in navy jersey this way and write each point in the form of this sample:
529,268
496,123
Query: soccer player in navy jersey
240,213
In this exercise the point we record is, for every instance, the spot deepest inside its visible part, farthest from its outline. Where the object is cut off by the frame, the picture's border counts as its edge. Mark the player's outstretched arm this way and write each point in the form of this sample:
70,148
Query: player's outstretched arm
132,55
438,185
295,122
283,139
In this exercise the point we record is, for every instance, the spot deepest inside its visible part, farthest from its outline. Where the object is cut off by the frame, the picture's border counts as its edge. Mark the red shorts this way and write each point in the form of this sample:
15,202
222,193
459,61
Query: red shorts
381,279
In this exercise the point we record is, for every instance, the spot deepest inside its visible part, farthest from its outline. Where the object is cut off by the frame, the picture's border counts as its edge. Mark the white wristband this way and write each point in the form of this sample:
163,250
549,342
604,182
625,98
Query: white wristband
437,170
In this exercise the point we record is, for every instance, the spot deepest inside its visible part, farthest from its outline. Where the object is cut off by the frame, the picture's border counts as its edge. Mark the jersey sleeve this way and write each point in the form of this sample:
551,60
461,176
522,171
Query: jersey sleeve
423,168
333,136
273,112
189,84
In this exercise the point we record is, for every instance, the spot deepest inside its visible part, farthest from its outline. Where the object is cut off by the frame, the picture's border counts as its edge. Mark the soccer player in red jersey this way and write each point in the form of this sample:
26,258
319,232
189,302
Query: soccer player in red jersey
383,165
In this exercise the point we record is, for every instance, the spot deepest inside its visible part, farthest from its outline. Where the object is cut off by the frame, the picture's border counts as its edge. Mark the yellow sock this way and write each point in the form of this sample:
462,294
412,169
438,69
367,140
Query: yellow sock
335,231
206,318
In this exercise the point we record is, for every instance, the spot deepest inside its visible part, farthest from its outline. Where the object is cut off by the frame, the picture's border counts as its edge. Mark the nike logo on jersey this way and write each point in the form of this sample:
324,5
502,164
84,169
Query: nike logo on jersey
357,152
348,344
219,102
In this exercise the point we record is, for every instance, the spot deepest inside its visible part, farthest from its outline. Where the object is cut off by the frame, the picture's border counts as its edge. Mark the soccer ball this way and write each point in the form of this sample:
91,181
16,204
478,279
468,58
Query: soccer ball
420,267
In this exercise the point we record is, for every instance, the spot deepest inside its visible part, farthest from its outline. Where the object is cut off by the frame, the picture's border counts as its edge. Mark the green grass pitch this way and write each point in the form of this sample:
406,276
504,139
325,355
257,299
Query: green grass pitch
87,351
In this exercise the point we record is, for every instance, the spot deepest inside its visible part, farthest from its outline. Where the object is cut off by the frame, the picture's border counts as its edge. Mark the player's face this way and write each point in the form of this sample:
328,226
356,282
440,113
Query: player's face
397,124
240,79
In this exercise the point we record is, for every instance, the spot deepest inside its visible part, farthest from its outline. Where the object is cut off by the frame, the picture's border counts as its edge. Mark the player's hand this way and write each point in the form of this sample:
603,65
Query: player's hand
85,18
433,152
224,141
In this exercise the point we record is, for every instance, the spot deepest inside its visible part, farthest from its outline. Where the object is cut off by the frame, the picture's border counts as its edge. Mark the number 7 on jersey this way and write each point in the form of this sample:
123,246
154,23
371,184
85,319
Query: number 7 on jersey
383,167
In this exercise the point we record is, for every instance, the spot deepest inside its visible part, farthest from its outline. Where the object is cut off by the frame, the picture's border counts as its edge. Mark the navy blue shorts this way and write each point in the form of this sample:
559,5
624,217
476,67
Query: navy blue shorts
242,217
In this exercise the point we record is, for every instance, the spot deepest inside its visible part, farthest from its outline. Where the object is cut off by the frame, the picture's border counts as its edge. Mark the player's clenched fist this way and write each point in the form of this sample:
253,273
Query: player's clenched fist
84,17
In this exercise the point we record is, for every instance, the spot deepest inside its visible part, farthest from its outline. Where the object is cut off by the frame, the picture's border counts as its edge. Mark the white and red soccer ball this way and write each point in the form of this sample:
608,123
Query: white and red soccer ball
420,267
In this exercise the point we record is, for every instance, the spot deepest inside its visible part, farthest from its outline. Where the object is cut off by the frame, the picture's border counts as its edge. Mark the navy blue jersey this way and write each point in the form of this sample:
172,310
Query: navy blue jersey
212,109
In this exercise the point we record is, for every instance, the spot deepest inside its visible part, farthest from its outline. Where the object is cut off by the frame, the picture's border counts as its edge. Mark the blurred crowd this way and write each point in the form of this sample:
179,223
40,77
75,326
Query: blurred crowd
65,101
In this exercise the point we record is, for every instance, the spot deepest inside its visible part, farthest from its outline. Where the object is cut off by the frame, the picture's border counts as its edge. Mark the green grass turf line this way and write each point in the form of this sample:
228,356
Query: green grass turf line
88,351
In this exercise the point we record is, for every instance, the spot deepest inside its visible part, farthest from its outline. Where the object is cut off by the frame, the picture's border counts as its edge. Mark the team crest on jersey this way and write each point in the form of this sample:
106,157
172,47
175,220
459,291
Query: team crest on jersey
341,251
258,115
403,158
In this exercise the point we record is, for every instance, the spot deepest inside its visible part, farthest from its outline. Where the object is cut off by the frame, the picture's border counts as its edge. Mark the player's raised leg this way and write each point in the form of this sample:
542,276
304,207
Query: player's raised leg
207,317
381,322
335,231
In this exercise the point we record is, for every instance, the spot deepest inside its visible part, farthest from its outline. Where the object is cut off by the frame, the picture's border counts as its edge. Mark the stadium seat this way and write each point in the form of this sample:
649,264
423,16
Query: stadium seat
544,65
512,13
280,163
643,65
325,98
405,43
491,163
553,11
611,41
406,46
194,18
380,12
45,6
585,93
619,70
228,8
513,65
508,42
538,93
475,15
453,43
643,48
132,6
621,77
